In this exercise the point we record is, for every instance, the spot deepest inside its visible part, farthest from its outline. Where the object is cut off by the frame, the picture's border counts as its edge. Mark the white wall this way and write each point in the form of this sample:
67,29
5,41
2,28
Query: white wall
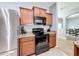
53,10
28,28
72,23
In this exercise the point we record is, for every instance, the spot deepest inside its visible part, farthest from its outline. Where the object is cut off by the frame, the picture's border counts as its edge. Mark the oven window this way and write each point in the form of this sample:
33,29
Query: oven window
41,40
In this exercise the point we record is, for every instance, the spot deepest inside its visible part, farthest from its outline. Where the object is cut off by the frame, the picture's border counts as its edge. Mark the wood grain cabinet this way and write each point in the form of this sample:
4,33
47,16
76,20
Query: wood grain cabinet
52,40
76,50
27,46
49,19
39,11
26,16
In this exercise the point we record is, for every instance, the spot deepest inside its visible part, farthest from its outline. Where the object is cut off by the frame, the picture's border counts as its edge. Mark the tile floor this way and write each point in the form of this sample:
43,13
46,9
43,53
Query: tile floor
53,52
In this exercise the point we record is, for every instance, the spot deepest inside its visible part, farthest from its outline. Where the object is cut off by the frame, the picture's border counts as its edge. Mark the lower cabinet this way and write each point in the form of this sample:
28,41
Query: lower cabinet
52,40
27,46
76,50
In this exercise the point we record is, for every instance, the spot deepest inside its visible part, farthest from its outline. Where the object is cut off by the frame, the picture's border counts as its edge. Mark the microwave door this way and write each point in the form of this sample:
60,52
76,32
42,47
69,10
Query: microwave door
39,22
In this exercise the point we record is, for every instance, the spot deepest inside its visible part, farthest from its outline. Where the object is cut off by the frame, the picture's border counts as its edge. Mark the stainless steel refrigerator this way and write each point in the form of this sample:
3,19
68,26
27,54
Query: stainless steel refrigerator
8,32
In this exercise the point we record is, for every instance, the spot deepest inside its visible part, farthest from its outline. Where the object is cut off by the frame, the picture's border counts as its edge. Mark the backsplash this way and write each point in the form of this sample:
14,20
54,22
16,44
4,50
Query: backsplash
28,28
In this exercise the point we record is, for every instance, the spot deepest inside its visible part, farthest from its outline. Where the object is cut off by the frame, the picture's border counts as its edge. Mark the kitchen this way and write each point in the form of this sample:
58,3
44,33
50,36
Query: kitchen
29,32
31,29
38,17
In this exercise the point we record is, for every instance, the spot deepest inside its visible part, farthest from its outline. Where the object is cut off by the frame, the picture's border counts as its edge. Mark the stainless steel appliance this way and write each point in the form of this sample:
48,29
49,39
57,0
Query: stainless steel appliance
41,41
8,32
39,20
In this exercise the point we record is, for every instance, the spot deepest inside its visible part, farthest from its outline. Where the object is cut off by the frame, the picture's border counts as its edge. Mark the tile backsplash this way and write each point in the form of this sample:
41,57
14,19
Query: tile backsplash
28,28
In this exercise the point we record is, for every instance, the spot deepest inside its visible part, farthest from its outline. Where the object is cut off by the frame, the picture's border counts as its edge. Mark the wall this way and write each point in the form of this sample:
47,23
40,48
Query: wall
28,28
72,22
53,10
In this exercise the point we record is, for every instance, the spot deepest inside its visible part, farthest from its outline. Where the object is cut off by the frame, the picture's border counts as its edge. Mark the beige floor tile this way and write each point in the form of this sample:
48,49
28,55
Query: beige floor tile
53,52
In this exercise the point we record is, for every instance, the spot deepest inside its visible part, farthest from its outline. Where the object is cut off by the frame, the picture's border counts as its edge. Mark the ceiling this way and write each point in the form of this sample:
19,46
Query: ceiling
45,5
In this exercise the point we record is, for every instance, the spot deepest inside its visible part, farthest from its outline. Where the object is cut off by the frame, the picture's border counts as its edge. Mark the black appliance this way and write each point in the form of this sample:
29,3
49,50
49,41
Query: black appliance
41,40
39,20
48,30
22,30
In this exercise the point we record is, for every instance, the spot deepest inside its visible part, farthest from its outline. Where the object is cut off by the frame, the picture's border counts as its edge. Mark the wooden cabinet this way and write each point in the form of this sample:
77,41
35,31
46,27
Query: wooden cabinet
27,46
49,18
76,50
39,11
26,16
42,12
52,40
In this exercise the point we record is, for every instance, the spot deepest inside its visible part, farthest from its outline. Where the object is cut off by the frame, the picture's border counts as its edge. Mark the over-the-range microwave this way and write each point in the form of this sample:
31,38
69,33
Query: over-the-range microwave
39,20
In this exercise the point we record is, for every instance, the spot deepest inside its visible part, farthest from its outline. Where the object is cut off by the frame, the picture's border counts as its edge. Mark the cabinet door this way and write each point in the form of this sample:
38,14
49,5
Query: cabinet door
76,50
39,11
49,19
27,47
26,16
52,40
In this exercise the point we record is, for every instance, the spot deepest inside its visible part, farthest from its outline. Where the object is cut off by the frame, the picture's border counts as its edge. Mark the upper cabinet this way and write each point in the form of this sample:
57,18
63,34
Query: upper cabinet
26,16
49,19
39,11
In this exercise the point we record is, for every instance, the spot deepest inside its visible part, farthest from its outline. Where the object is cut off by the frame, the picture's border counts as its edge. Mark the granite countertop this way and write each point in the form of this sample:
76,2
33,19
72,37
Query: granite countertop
77,43
53,32
31,34
26,35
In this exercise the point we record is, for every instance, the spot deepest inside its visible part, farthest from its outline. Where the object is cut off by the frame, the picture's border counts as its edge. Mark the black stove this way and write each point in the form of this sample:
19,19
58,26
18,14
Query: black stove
41,40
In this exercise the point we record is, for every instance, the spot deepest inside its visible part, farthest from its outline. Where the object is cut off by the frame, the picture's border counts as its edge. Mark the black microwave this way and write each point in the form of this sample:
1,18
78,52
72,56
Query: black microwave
39,20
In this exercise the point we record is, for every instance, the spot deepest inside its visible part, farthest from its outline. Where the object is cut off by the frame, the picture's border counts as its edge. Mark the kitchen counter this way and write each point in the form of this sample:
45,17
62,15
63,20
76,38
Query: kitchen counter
77,43
51,32
31,34
26,35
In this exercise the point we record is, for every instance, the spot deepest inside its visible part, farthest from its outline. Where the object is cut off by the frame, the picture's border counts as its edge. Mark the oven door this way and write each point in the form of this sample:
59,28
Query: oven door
42,41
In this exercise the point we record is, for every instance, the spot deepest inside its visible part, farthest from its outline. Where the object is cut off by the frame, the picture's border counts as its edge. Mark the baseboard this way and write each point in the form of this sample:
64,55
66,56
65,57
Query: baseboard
56,46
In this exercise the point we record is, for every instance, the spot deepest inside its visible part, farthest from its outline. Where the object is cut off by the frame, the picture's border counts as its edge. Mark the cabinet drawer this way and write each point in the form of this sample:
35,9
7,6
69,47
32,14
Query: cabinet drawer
53,36
26,39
